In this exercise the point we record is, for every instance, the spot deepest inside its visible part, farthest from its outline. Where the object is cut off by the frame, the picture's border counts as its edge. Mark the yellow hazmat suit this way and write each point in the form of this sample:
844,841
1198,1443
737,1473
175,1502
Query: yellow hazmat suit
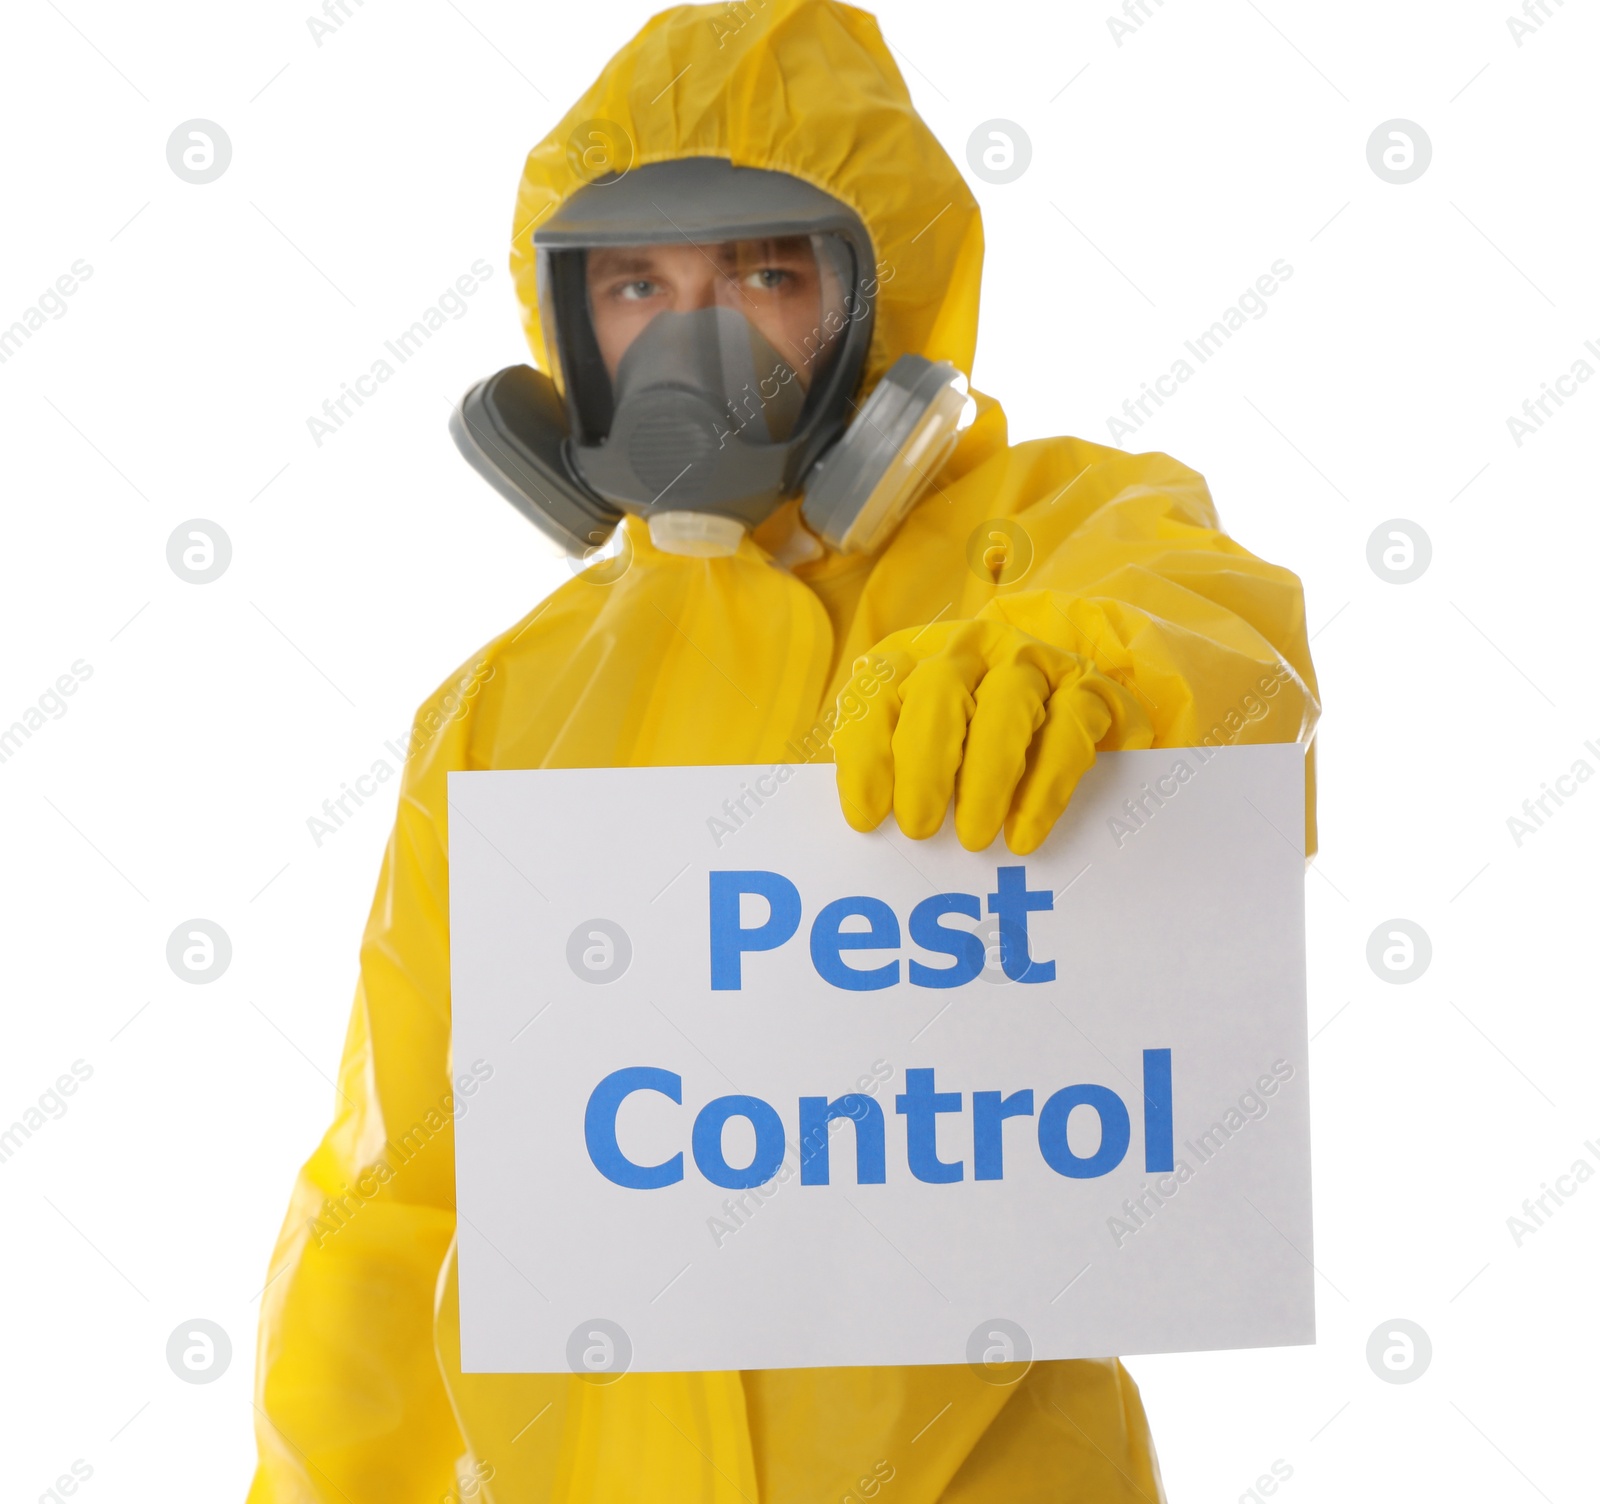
1059,561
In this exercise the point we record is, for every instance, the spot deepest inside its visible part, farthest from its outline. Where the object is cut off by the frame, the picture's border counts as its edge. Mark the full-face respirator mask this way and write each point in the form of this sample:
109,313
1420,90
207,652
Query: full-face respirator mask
708,326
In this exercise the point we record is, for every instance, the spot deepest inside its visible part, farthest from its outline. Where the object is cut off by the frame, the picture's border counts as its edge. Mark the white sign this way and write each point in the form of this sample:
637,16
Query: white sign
758,1091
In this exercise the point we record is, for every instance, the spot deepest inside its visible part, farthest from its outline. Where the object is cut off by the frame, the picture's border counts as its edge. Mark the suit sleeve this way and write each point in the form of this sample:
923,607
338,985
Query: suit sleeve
350,1404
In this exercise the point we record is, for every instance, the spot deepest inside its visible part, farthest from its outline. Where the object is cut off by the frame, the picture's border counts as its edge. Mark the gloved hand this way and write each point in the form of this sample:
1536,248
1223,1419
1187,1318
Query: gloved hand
1003,719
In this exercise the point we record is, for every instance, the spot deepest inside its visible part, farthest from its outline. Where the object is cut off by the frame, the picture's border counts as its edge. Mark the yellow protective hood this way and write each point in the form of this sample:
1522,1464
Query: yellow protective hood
805,87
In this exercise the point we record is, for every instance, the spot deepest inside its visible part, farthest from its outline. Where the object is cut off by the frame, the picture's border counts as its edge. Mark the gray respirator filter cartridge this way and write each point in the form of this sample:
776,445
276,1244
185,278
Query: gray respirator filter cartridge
512,429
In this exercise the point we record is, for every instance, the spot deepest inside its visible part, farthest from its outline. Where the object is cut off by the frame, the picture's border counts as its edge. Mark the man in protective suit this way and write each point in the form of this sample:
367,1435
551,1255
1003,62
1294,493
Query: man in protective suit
752,324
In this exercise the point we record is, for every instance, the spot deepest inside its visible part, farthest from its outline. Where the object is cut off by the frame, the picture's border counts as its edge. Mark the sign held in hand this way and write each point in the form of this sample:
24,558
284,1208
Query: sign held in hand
770,1093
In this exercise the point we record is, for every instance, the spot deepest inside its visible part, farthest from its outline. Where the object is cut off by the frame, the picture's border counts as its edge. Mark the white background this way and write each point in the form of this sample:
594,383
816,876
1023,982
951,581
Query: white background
370,173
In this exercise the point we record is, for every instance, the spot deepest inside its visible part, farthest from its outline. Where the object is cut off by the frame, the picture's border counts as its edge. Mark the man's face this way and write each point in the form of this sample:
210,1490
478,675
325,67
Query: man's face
776,284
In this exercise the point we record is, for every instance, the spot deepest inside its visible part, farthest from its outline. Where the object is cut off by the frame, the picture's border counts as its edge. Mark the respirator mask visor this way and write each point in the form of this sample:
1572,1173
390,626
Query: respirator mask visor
699,373
707,328
707,325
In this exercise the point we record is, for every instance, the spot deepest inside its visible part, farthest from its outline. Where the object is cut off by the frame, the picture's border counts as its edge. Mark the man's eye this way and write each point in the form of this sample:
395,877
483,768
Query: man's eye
642,288
769,278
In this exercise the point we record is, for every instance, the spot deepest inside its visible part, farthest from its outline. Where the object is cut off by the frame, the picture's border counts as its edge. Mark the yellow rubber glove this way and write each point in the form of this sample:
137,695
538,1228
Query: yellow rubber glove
1003,720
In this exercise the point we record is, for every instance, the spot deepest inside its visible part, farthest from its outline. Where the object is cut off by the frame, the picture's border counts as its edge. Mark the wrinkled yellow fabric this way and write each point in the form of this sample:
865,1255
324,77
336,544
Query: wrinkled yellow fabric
1127,567
658,659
